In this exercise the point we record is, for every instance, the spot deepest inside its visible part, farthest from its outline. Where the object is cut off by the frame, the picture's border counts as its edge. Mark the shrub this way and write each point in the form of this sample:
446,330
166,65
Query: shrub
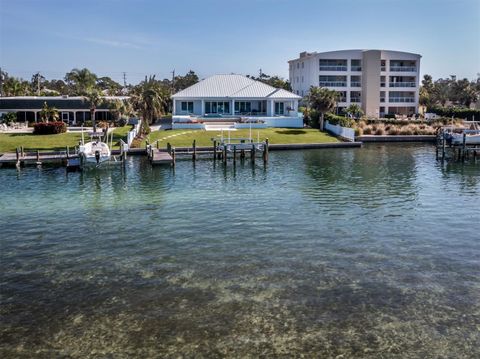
457,112
358,131
338,120
393,130
380,131
361,124
49,128
8,118
367,130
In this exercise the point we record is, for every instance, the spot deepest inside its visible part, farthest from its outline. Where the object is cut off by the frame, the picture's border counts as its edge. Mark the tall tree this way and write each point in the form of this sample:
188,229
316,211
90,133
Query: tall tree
274,81
93,99
37,83
150,100
13,86
322,100
48,113
109,86
81,81
182,82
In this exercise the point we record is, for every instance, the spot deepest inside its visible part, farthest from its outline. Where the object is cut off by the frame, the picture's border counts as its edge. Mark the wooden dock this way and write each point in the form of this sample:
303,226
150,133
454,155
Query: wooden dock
20,158
158,157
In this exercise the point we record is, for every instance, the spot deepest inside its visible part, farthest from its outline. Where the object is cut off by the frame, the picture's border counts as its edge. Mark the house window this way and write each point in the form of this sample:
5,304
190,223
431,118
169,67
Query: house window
243,107
278,108
65,116
187,106
217,107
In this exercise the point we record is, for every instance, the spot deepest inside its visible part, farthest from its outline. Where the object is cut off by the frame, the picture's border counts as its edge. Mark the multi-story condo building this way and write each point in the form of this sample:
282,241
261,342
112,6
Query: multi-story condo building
380,81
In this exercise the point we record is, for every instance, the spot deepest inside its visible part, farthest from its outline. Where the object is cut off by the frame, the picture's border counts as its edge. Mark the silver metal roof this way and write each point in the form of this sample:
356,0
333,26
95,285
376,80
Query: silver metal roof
233,86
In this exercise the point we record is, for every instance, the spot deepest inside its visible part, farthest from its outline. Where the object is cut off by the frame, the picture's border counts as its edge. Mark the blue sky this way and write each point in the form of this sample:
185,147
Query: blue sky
211,36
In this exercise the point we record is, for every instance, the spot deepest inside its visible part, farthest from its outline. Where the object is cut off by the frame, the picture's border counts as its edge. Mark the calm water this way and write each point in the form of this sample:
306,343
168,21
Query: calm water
371,252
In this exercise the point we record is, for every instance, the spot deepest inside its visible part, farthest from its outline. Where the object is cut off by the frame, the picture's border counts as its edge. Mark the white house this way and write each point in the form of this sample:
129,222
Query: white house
380,81
235,101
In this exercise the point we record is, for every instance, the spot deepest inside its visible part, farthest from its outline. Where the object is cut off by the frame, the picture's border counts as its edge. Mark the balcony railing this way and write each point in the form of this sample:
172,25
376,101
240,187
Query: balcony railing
382,84
402,84
382,99
403,68
333,68
356,99
355,84
383,68
342,99
401,99
356,68
332,84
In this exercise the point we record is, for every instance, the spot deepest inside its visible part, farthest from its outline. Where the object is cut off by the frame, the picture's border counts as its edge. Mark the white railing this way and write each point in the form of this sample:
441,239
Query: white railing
355,84
333,68
401,99
132,134
402,84
344,132
332,84
403,69
356,68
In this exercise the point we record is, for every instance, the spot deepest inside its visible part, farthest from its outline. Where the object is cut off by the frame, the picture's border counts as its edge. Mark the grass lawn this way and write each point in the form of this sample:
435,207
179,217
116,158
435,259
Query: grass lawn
10,141
184,138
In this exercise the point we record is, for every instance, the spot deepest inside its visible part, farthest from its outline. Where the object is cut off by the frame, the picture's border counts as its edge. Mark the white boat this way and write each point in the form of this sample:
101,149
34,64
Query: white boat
94,152
470,138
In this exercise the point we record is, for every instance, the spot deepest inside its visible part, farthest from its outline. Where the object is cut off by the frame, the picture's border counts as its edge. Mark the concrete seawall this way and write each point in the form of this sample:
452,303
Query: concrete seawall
396,138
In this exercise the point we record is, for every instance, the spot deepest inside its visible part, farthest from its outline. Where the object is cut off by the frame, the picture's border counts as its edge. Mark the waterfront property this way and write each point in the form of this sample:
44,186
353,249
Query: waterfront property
234,101
72,109
380,81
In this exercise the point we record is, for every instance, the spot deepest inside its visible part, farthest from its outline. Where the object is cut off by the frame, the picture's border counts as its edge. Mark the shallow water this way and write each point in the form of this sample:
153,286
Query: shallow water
371,252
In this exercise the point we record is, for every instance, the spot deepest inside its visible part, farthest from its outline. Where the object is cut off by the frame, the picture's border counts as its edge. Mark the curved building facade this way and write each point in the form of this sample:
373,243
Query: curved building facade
380,81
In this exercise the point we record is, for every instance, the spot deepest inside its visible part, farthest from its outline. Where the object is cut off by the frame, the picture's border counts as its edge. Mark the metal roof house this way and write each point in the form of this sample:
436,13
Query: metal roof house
73,110
235,100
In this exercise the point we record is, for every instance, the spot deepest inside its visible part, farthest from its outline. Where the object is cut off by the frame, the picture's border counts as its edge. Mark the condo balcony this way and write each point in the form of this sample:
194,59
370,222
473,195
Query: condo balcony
356,99
356,68
355,84
403,69
333,68
332,84
401,99
402,84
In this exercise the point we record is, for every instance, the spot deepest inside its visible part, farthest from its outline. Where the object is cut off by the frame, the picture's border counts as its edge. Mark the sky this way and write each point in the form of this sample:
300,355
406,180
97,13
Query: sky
146,37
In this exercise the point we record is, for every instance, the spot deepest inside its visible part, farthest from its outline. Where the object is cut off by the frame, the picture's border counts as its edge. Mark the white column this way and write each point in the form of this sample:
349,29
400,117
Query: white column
203,108
232,111
272,108
74,117
174,112
36,116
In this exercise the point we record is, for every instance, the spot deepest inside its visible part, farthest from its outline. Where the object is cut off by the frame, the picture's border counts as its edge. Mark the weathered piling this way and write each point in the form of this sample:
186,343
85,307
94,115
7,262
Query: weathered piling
252,154
234,155
173,156
464,146
224,154
214,150
265,151
194,153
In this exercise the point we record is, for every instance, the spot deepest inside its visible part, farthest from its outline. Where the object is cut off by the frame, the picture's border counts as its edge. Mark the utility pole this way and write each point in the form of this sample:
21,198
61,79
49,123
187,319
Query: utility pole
38,83
173,81
260,73
124,80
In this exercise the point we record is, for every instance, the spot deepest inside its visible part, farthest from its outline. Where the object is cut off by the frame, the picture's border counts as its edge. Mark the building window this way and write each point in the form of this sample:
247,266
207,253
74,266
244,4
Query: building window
187,106
302,93
356,65
217,107
333,65
303,65
302,78
332,81
298,65
297,79
243,107
278,108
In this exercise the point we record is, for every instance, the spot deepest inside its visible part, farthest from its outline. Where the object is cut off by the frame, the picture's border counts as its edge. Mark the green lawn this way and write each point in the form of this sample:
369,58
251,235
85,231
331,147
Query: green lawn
184,138
10,141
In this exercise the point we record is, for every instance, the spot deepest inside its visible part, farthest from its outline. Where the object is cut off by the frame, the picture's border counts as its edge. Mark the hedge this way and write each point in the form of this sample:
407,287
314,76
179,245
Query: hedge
457,112
339,120
49,128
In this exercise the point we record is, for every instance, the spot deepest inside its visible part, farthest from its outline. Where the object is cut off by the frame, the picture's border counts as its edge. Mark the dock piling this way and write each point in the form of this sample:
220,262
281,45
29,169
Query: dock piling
194,154
234,155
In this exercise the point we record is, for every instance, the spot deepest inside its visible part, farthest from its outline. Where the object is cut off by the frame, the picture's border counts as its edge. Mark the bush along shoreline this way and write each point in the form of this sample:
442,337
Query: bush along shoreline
49,128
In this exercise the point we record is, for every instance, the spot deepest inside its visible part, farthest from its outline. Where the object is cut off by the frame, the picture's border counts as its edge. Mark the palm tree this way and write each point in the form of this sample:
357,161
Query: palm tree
322,100
150,99
82,81
94,99
48,113
354,110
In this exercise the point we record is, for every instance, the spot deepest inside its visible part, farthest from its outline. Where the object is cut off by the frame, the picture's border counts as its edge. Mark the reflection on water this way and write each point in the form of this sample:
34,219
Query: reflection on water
370,252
